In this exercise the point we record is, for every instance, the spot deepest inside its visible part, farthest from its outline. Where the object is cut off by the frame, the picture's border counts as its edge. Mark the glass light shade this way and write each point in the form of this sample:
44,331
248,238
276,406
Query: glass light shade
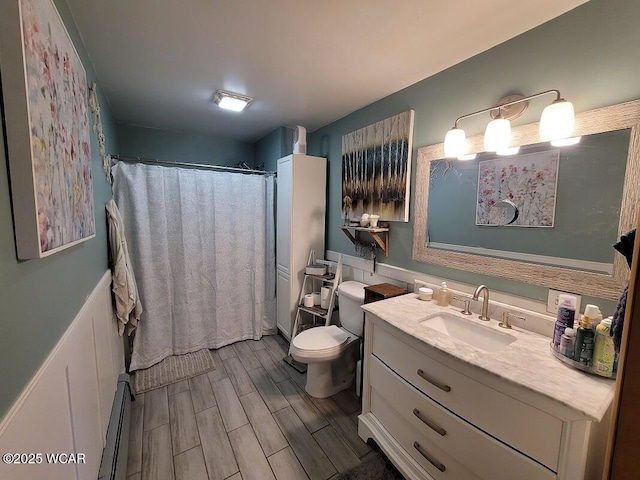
469,156
566,142
455,143
508,151
557,121
497,136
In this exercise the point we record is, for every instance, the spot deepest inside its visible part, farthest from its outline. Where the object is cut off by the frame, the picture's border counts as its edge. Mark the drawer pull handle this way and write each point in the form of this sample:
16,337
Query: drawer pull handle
429,458
441,386
439,430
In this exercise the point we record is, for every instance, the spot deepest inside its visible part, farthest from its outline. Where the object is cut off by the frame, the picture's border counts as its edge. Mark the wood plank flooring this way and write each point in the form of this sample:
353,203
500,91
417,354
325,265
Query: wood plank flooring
248,419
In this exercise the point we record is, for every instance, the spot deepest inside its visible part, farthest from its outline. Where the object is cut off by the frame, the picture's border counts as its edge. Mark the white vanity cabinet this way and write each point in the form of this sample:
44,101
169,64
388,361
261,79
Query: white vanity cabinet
439,418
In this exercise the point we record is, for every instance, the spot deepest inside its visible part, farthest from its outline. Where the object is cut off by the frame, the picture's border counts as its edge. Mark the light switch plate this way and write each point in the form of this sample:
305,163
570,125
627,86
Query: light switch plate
552,301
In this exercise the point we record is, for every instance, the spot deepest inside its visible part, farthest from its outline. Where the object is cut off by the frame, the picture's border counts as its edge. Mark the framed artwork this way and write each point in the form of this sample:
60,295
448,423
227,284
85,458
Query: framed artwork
518,191
376,169
47,121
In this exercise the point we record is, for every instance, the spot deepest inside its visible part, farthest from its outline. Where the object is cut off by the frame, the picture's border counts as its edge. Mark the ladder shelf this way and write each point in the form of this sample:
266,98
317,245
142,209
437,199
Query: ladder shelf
309,284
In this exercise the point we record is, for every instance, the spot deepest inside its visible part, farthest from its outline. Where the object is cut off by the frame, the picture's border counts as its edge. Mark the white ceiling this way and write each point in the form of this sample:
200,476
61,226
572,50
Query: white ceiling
305,62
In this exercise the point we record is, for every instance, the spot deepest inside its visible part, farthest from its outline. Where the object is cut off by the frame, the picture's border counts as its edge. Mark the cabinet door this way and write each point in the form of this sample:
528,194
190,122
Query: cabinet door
283,214
308,209
283,309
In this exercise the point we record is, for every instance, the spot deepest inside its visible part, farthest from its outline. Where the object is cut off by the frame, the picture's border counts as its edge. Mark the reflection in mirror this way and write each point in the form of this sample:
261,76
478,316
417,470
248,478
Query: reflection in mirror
572,204
568,211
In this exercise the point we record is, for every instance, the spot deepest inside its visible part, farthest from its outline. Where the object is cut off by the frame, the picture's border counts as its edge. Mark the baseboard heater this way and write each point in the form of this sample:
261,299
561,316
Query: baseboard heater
116,451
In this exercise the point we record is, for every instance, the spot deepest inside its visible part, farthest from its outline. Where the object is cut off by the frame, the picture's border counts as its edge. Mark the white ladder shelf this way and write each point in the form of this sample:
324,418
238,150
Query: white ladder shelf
308,286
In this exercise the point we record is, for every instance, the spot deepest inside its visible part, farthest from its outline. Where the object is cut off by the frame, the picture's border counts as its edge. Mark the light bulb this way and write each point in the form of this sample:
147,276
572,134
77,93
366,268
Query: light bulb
566,142
508,151
455,143
233,104
557,121
497,136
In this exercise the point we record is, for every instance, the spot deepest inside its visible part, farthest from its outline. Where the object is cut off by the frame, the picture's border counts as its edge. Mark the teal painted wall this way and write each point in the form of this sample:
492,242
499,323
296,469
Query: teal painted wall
183,147
274,145
40,298
589,54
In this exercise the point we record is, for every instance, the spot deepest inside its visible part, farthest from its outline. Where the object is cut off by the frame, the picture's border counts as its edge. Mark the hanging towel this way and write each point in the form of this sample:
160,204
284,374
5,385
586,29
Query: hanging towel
125,290
625,247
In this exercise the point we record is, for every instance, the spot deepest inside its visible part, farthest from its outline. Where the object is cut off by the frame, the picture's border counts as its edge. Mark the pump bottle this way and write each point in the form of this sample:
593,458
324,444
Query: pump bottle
444,295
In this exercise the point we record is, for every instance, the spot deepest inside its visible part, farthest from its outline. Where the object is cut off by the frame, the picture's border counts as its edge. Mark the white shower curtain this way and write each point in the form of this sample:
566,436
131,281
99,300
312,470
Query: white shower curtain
202,248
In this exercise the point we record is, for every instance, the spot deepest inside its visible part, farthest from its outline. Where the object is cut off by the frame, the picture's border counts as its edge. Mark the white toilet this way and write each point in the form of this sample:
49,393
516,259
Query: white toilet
331,352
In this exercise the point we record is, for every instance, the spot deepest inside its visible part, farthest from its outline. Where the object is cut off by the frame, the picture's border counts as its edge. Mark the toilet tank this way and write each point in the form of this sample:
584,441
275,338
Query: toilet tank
351,297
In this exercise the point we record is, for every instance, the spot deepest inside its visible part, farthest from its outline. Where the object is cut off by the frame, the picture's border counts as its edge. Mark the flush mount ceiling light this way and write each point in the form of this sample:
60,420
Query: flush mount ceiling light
231,101
556,125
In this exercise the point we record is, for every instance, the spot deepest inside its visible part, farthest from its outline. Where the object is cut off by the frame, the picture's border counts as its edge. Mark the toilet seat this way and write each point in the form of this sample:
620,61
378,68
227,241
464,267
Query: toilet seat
320,342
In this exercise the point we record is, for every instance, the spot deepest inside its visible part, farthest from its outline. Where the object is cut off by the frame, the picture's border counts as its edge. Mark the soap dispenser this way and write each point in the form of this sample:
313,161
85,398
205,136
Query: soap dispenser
444,295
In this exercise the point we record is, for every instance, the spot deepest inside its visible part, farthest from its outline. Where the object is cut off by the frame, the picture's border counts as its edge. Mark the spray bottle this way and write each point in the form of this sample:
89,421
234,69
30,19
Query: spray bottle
565,318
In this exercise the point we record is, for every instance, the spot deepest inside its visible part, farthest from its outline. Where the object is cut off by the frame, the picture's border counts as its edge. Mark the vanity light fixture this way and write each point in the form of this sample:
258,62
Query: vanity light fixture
556,125
497,136
231,101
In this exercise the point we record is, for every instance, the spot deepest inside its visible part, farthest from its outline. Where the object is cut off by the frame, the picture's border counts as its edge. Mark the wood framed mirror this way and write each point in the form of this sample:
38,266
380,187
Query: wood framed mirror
547,269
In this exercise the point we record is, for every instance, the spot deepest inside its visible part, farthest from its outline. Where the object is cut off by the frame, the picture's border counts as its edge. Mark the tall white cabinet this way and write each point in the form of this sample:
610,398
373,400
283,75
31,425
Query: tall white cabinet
300,215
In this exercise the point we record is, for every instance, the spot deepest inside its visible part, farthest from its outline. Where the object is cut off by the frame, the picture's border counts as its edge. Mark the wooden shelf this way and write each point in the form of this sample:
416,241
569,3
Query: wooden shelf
327,277
379,234
317,311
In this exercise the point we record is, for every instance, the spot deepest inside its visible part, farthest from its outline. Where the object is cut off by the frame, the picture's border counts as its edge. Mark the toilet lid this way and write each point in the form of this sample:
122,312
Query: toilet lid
320,338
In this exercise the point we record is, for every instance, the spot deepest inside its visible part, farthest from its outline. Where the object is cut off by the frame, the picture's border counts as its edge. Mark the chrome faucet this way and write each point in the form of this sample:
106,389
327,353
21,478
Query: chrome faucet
485,303
505,319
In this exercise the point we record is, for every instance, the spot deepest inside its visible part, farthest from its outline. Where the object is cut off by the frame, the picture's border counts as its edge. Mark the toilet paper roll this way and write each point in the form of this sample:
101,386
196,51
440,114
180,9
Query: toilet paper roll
325,297
308,300
316,298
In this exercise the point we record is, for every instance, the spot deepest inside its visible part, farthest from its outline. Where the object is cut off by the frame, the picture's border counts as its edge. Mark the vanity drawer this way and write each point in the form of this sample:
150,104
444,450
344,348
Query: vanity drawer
481,454
525,428
407,436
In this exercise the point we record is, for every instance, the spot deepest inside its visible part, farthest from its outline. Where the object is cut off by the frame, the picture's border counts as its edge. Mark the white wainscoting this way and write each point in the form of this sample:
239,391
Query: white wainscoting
65,407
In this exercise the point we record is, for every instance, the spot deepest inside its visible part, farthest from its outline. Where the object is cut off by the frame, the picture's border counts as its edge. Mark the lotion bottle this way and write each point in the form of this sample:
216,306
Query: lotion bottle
595,316
444,295
604,352
567,342
583,351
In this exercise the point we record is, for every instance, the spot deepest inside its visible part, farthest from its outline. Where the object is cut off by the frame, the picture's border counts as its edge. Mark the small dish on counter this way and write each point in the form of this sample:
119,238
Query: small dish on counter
425,294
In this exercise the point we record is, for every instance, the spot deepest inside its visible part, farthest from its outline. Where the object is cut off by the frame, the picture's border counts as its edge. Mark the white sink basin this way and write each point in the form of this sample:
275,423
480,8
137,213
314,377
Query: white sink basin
477,336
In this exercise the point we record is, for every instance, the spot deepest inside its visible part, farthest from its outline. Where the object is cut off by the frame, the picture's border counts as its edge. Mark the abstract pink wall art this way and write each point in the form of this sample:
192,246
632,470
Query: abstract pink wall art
48,130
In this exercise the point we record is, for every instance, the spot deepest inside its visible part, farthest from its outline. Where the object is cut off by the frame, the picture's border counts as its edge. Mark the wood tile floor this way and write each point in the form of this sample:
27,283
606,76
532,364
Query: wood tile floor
248,419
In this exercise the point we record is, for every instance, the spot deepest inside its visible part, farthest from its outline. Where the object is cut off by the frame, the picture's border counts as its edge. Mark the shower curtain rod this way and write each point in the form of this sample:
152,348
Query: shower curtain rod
155,161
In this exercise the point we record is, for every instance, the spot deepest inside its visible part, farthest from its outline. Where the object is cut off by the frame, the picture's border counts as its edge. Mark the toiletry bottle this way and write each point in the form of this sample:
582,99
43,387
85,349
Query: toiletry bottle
583,351
596,315
604,352
444,295
567,342
565,317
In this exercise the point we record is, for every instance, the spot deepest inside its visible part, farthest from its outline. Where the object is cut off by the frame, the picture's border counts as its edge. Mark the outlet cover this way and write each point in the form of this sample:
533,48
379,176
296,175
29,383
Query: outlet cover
417,284
552,301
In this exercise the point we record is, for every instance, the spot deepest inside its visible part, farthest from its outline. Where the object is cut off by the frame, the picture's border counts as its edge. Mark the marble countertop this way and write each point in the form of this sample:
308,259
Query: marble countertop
527,362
